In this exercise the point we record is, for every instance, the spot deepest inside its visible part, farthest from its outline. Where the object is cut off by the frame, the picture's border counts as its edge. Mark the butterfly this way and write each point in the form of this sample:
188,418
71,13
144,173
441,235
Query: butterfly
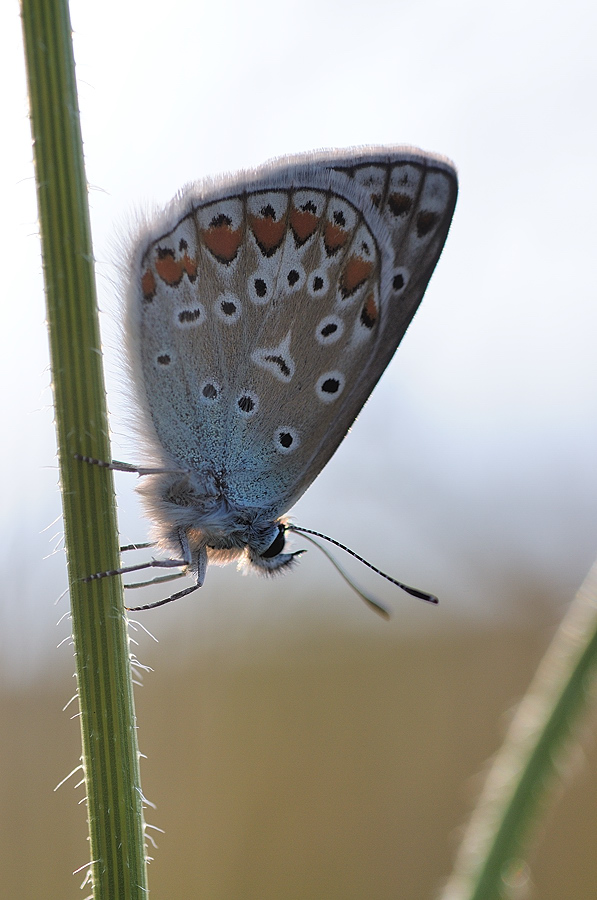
261,309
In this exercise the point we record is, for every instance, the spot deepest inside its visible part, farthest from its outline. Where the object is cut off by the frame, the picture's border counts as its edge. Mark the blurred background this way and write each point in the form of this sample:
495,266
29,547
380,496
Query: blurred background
297,746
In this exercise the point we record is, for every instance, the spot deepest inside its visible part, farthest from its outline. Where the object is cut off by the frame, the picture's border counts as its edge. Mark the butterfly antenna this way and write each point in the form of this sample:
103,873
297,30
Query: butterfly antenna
375,605
414,592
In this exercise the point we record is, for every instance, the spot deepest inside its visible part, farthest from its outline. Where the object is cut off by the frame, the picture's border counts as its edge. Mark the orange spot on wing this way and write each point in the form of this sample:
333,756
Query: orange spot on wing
190,266
303,223
334,238
222,241
356,272
369,312
148,285
170,270
400,204
269,234
426,222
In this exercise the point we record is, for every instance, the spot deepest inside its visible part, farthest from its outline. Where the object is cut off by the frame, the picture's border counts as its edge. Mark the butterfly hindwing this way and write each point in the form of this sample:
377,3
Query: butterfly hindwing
263,309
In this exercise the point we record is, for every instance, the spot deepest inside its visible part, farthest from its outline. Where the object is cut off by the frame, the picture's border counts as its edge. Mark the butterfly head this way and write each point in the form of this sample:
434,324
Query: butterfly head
273,558
256,547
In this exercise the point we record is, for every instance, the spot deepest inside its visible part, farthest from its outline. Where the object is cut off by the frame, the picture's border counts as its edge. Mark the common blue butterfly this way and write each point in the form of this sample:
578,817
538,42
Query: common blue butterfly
261,310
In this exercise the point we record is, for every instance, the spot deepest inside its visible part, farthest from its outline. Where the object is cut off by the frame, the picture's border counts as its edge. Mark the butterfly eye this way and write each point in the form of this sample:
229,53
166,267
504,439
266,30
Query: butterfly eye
276,546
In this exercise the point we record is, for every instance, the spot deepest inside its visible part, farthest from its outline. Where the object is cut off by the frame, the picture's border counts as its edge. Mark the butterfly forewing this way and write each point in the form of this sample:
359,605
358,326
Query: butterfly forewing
415,195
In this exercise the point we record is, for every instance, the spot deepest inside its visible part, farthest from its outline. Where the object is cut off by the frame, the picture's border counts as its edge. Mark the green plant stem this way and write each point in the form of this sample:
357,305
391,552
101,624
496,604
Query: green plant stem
110,755
490,865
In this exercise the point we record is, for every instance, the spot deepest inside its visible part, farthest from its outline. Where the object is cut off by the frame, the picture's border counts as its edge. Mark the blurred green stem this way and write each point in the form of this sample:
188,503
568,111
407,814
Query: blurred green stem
110,755
490,864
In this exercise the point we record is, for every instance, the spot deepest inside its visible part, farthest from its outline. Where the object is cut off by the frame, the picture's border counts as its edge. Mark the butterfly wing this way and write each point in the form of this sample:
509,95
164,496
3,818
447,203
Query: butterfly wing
263,309
415,195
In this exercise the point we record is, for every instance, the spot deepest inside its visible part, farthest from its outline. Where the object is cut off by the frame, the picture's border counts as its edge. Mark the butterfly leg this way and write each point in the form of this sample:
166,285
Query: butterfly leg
184,562
117,466
125,570
145,545
199,568
196,568
161,579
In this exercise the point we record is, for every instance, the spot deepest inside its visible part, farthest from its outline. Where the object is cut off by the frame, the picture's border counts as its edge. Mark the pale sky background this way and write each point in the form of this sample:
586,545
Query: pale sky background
480,482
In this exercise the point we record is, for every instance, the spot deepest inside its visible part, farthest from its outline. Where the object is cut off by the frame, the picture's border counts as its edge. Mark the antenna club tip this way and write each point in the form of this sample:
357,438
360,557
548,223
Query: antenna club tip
421,595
